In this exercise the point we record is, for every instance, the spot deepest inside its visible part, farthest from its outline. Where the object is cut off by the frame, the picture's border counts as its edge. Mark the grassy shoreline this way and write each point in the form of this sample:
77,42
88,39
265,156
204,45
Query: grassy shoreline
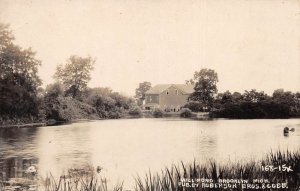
251,175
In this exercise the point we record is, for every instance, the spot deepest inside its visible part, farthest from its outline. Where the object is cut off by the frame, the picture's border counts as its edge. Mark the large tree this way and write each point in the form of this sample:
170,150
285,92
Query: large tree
254,96
205,86
18,77
141,90
75,74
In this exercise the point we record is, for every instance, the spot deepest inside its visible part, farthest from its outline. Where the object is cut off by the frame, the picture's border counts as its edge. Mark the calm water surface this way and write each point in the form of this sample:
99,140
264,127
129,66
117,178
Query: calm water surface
125,148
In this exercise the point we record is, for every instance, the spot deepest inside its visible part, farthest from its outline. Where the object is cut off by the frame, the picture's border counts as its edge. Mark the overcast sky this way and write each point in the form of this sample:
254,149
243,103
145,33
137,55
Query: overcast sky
250,43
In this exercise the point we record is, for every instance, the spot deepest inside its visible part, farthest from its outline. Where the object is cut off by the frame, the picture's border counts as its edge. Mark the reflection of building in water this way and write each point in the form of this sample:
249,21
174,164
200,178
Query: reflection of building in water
206,141
15,167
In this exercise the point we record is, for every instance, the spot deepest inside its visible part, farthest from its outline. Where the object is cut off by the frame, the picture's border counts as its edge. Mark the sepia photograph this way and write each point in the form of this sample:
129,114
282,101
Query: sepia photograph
149,95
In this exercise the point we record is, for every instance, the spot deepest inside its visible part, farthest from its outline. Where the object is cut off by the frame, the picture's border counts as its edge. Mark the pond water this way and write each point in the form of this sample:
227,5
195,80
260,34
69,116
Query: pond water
127,147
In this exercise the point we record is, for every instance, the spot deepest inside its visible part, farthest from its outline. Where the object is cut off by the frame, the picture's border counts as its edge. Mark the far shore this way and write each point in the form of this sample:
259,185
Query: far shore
195,116
54,122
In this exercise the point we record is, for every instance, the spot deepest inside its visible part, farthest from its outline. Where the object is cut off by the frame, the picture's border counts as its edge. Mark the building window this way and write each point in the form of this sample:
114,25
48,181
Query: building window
176,92
167,92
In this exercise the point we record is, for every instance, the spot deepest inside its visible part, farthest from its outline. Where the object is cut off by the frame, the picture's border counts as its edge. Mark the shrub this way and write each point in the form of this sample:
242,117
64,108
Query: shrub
109,104
135,111
186,113
158,113
67,109
194,106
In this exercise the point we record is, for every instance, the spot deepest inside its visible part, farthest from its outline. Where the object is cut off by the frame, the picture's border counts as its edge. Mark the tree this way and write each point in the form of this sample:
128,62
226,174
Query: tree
254,96
141,90
54,90
19,81
108,104
226,97
237,97
205,86
284,97
75,74
190,82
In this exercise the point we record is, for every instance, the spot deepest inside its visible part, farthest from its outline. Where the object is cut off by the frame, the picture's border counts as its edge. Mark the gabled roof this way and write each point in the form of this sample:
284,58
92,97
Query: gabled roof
186,89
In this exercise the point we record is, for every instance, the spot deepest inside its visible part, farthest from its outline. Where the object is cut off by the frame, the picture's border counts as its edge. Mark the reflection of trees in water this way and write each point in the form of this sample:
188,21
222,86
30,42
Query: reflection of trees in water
14,159
15,167
17,134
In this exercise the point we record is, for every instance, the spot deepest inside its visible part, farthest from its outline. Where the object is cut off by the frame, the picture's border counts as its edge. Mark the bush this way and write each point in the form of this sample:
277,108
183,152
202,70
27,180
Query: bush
109,104
158,113
135,111
67,109
186,113
194,106
115,114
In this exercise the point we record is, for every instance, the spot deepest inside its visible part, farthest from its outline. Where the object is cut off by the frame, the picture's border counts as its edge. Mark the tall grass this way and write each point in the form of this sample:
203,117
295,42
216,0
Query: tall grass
78,180
84,179
171,178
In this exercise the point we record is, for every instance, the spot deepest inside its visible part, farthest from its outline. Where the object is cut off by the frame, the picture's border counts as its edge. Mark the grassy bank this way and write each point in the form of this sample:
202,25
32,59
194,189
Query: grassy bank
191,176
213,176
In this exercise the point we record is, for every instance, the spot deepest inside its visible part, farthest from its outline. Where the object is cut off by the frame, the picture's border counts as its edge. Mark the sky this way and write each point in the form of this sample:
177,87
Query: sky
251,44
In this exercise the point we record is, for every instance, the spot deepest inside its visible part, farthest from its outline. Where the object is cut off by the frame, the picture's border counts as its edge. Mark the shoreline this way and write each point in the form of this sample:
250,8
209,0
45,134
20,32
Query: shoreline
25,125
169,115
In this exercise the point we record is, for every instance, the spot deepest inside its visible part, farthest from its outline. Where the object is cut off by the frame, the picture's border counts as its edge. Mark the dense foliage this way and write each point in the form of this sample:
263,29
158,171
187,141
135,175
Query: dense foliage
94,103
205,82
249,105
194,106
75,74
157,113
141,90
18,79
253,104
107,103
22,100
185,113
135,111
64,108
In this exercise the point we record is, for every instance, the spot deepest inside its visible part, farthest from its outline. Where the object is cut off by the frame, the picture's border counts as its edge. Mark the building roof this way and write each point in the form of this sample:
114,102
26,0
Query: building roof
186,89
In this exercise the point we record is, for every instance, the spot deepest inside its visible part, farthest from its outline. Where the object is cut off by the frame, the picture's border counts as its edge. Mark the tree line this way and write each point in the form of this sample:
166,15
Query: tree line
248,105
22,99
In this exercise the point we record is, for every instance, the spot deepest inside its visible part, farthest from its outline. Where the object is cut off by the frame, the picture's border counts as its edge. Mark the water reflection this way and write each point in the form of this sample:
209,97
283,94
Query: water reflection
17,152
63,147
15,167
125,148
